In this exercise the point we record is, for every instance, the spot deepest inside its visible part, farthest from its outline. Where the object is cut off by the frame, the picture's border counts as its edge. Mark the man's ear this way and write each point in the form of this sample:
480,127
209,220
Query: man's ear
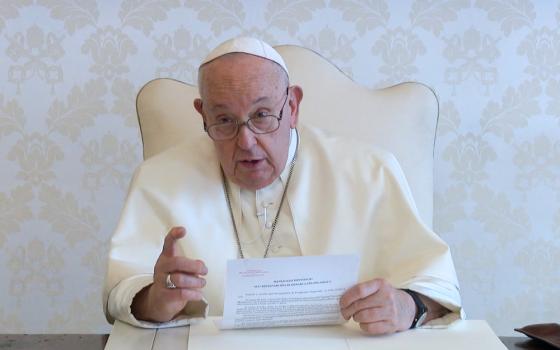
296,95
197,103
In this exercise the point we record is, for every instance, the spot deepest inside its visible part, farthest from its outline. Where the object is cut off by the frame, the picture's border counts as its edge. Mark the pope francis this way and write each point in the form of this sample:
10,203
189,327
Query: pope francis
256,186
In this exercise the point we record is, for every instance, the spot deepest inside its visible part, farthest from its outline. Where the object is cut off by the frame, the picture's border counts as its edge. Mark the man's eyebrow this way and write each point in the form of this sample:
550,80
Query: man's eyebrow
218,106
260,99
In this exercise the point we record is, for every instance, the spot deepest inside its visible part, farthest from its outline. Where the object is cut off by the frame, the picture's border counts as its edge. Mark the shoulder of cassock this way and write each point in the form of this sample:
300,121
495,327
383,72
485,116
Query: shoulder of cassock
374,193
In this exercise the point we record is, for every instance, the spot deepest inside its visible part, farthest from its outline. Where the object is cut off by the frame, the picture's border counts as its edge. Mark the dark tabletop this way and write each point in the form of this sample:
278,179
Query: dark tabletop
53,341
97,342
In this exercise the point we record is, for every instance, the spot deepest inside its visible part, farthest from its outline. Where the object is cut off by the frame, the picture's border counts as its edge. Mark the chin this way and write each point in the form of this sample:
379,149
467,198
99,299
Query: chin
255,184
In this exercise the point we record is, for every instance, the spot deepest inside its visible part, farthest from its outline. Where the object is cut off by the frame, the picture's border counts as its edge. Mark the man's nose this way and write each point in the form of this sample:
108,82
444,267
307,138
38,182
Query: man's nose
245,137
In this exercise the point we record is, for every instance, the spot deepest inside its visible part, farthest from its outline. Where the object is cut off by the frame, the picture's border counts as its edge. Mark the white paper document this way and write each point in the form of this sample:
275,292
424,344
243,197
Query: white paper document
291,291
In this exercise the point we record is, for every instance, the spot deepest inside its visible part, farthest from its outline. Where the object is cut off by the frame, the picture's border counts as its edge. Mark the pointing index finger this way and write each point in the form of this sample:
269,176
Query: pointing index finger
169,244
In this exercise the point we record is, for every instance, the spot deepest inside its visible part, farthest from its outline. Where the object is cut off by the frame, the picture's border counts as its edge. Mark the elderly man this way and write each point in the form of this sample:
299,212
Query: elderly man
255,187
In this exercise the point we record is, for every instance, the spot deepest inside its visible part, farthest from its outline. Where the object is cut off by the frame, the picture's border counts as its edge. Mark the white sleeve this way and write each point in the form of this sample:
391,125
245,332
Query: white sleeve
121,297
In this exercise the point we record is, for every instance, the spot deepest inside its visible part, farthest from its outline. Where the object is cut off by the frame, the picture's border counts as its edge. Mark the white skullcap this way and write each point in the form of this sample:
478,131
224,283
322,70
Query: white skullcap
249,46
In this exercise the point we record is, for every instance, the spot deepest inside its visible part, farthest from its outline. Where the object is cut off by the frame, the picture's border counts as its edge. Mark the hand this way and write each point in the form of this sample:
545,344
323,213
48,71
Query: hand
159,303
378,307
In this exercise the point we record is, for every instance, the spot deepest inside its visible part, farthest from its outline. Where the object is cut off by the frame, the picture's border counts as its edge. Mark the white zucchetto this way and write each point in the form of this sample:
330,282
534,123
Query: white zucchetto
248,45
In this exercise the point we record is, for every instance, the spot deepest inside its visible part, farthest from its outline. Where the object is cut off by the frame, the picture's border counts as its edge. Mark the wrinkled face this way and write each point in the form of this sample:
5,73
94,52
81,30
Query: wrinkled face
240,86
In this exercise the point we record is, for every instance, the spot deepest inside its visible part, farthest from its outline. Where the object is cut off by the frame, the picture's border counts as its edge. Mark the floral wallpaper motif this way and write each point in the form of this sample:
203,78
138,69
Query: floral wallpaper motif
69,139
472,55
35,49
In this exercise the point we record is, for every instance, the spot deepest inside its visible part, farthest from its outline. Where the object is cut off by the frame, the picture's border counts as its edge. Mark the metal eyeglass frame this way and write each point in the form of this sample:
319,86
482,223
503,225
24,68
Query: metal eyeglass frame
248,124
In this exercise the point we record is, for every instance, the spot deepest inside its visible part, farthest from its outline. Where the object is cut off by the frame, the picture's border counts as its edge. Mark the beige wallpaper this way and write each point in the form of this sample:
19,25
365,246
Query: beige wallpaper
70,70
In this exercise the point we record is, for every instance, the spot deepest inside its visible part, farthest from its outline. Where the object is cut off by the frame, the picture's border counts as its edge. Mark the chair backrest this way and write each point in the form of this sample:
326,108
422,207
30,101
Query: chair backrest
401,119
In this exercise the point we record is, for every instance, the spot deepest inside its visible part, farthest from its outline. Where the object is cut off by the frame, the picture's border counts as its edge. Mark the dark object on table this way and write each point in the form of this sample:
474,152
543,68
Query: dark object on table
546,332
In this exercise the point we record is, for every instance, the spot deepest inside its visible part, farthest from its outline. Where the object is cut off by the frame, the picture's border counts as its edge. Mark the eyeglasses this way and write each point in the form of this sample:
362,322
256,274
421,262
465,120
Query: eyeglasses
262,123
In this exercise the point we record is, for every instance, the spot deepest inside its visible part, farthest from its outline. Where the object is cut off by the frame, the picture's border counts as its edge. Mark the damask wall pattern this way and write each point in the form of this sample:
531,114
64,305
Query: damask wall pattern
69,140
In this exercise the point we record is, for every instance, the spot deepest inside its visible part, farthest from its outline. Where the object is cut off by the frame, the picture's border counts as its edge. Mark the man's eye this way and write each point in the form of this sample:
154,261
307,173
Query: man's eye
260,115
224,120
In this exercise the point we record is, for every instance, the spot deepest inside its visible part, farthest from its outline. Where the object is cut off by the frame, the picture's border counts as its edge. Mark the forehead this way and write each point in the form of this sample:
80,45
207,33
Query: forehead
240,77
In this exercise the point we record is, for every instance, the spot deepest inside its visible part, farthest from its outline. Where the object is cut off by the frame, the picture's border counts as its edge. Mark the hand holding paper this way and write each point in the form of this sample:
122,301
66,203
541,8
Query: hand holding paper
378,307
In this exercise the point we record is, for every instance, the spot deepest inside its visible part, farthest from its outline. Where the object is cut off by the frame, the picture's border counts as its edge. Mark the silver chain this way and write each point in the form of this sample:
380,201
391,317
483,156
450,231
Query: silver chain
228,200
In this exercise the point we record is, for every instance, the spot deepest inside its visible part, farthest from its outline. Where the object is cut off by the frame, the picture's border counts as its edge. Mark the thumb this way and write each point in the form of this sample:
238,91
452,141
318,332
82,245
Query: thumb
169,244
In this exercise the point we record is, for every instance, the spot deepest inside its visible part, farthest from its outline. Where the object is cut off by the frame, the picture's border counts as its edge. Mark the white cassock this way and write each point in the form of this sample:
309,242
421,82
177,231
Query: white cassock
344,198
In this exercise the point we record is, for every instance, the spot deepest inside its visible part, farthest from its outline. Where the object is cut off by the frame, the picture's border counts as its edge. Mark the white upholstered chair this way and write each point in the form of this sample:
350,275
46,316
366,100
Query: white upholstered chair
401,119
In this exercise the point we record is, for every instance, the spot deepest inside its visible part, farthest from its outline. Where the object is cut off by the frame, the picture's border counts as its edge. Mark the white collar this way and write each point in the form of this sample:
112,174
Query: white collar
291,154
